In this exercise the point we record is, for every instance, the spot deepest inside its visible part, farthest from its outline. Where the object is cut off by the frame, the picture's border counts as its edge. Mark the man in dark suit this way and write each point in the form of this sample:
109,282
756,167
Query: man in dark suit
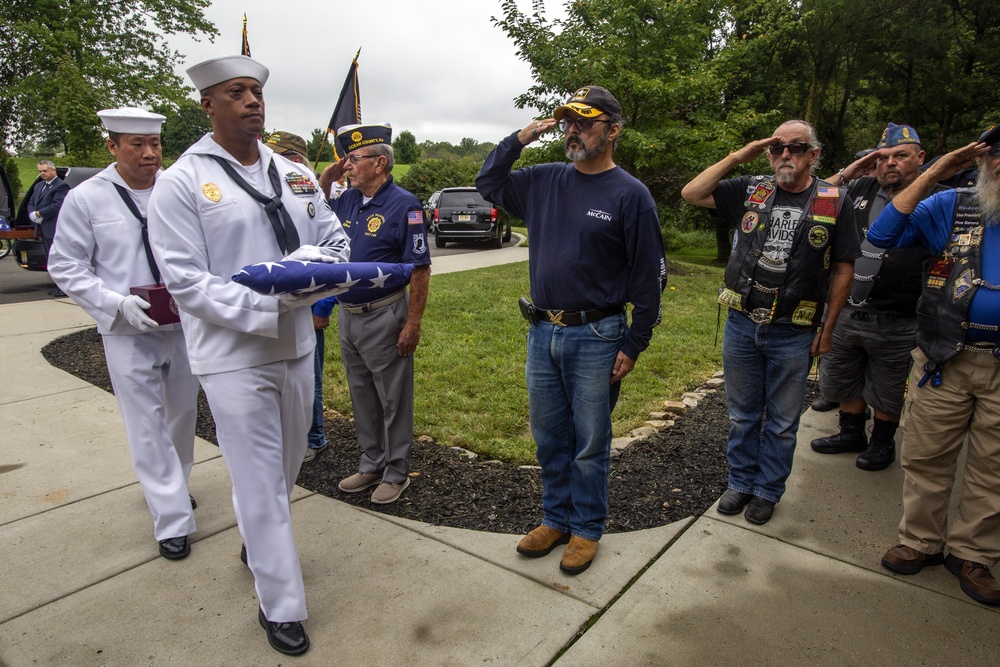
44,203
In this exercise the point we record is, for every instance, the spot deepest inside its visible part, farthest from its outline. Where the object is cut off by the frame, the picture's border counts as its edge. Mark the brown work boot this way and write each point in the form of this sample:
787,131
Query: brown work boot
904,560
578,556
975,579
541,541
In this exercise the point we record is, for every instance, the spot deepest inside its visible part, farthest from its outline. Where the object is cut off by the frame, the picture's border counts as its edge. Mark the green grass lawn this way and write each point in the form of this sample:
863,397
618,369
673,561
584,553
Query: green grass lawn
470,387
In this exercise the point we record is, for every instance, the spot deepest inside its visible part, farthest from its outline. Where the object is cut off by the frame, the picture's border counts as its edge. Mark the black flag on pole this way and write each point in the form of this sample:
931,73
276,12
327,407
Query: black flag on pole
348,109
245,49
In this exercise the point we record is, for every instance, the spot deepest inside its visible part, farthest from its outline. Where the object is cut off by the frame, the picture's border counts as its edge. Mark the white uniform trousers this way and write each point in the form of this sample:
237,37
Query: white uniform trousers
262,419
381,384
158,400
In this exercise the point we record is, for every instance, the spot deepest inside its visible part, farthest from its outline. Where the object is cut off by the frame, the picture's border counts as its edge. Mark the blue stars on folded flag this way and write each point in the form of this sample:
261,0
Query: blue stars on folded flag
352,282
415,217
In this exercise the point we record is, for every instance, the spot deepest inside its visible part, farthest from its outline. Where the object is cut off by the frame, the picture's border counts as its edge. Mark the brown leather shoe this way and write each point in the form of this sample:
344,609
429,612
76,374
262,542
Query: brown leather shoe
975,579
904,560
578,556
541,541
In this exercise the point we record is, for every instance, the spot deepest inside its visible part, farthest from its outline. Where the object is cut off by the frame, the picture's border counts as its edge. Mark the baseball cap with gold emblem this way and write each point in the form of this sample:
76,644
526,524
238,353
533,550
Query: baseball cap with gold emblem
131,120
590,102
352,137
210,72
282,142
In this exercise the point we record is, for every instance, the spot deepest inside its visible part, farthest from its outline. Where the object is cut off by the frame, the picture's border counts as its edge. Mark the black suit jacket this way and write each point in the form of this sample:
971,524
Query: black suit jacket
47,201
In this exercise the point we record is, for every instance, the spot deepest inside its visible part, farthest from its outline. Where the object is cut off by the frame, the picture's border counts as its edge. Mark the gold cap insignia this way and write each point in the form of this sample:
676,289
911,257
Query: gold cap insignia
356,136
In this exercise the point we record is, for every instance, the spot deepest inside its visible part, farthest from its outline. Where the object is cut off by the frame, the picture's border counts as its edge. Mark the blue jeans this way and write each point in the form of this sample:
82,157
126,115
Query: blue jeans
317,438
766,366
570,399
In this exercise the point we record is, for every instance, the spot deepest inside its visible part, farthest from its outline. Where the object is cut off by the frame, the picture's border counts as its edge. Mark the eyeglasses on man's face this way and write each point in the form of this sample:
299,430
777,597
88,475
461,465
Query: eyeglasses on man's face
354,159
582,124
794,148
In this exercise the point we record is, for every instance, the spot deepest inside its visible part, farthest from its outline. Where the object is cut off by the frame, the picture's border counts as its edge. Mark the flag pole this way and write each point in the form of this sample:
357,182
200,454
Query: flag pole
349,92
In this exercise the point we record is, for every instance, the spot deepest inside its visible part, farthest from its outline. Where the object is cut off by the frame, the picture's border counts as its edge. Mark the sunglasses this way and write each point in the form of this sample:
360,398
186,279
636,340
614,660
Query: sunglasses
354,159
582,124
794,148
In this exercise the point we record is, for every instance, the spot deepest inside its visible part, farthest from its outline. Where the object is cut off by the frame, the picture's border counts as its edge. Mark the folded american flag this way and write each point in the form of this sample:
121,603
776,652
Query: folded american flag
361,282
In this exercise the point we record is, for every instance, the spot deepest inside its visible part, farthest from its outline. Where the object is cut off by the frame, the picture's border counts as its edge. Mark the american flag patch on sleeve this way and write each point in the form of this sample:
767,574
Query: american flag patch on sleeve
415,217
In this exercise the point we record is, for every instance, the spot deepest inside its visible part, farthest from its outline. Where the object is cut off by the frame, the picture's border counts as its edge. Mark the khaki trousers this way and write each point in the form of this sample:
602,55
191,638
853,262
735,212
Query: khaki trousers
938,421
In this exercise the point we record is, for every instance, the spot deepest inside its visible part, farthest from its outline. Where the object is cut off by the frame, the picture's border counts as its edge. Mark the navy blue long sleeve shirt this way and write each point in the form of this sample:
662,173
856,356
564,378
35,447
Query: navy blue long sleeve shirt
595,238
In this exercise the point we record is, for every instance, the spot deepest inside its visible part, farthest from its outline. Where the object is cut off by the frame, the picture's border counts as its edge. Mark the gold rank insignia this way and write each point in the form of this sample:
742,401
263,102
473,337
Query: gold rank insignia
211,192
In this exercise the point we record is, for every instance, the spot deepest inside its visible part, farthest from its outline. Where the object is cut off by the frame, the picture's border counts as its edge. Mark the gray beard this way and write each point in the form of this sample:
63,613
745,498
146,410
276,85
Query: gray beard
988,192
579,153
784,177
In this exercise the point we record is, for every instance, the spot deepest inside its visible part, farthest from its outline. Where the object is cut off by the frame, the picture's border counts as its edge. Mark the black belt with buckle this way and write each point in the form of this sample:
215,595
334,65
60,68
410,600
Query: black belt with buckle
565,318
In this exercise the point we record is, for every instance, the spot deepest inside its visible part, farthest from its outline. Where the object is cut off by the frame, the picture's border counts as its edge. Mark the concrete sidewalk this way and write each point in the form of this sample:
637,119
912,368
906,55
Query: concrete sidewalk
82,582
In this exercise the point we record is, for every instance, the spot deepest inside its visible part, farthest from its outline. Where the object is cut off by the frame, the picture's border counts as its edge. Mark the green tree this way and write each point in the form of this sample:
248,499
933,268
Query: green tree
61,61
428,176
186,123
405,148
320,138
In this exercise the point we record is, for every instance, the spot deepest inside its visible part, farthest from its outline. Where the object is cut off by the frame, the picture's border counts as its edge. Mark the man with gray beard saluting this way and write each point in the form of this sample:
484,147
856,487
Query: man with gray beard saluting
793,249
954,390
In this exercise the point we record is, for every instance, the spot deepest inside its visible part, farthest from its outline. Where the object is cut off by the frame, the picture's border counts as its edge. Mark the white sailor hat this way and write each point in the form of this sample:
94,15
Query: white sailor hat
130,120
207,74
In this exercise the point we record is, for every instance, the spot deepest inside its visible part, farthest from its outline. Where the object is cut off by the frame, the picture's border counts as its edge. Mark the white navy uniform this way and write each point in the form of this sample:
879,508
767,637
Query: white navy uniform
96,257
255,364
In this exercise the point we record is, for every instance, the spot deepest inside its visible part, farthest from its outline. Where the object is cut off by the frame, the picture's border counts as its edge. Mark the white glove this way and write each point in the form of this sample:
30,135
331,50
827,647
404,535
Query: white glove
311,253
134,307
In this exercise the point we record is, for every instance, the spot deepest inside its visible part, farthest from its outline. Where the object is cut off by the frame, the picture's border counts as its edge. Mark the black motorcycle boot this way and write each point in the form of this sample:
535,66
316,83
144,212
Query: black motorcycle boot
851,437
882,449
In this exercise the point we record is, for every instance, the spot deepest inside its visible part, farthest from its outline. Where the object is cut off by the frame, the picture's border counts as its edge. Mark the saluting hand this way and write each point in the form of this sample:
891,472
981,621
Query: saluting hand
535,130
752,151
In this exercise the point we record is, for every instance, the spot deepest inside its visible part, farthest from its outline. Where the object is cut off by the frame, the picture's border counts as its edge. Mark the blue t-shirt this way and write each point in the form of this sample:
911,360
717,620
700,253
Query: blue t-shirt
389,228
930,225
595,239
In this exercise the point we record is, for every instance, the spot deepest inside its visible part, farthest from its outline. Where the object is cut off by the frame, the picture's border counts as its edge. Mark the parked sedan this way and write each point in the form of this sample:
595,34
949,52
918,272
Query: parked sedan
462,214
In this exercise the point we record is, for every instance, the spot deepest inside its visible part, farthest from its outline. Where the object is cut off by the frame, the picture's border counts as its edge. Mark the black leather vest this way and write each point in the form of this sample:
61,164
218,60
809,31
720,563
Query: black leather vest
950,282
896,285
799,299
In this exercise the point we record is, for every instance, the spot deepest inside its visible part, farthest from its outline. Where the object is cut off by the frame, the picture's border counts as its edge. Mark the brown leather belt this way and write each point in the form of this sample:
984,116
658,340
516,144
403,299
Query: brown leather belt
359,308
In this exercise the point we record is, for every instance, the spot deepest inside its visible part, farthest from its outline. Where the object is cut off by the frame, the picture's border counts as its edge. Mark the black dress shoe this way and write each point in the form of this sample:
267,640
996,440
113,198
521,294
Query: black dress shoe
243,555
733,502
287,638
56,293
194,503
175,548
759,511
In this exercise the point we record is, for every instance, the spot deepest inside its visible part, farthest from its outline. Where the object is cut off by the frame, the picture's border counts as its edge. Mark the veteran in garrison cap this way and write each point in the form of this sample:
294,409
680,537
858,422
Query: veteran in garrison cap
378,338
870,359
954,385
230,201
99,255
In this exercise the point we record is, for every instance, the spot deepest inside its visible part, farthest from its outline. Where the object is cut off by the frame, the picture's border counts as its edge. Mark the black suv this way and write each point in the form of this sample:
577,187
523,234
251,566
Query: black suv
462,213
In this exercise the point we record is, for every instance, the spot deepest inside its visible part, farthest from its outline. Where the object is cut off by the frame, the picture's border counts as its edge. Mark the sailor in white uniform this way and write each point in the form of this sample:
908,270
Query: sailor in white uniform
97,255
230,201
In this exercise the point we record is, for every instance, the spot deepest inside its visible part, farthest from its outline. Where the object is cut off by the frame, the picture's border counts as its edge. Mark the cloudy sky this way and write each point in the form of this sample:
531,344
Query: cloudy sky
439,69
